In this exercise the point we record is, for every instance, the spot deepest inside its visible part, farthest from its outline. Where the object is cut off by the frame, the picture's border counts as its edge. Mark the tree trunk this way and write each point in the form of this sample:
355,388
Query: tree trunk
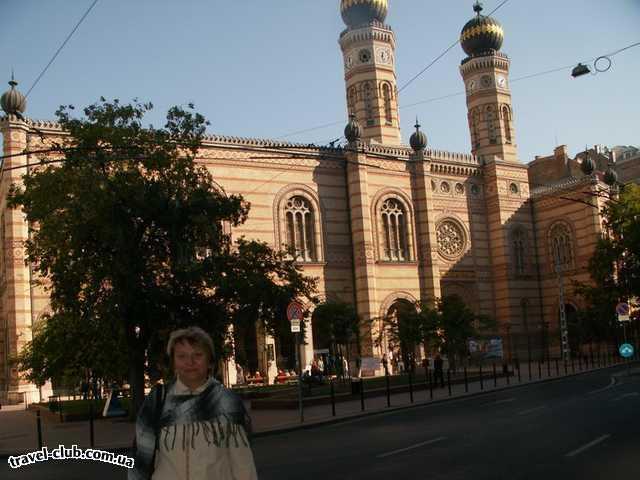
136,379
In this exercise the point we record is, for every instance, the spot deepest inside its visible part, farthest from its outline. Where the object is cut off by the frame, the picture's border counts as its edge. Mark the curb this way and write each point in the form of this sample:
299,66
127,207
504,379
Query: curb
357,416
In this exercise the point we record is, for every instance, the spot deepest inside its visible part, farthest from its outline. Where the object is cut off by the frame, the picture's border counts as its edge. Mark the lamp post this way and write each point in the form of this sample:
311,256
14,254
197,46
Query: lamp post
564,331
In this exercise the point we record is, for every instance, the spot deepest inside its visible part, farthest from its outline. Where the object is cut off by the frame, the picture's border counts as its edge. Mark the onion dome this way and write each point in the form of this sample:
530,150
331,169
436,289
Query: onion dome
481,35
363,12
12,101
418,140
610,177
352,130
588,165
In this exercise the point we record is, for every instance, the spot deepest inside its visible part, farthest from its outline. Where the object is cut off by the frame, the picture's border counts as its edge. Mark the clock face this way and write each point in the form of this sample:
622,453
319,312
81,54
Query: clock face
384,55
501,81
349,61
364,56
485,81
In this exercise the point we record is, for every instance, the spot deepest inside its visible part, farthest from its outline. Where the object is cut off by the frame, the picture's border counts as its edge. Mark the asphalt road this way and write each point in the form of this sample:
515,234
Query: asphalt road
584,427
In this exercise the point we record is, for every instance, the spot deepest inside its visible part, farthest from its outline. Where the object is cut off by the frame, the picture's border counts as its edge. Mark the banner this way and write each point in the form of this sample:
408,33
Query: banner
486,348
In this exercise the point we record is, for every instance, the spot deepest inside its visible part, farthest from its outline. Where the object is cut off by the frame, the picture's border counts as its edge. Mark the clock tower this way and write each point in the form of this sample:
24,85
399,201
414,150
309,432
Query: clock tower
485,72
368,47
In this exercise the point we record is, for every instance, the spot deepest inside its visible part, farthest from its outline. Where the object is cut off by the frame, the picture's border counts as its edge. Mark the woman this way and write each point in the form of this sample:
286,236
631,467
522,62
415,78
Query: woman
194,428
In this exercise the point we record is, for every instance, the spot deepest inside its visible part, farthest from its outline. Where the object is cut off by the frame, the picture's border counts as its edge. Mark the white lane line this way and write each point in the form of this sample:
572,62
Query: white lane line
417,445
587,446
497,402
531,410
611,384
626,395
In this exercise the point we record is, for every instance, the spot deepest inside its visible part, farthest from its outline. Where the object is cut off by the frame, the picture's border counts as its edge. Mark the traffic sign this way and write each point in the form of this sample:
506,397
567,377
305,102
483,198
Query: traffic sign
294,311
294,314
623,308
626,350
295,326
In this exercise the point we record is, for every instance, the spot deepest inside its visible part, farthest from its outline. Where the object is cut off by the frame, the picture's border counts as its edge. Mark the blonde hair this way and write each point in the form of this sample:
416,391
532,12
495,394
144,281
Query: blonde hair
195,336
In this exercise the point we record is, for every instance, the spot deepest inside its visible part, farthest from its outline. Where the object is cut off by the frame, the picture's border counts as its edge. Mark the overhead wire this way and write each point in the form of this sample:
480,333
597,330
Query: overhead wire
421,72
55,55
459,93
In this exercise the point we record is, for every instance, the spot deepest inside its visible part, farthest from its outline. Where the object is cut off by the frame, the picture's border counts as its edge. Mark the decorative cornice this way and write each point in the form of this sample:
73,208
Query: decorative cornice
565,184
496,60
451,157
214,139
375,31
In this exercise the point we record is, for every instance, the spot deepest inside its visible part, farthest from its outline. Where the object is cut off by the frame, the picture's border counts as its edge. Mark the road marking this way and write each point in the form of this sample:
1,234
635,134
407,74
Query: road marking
587,446
531,410
417,445
497,402
626,395
611,384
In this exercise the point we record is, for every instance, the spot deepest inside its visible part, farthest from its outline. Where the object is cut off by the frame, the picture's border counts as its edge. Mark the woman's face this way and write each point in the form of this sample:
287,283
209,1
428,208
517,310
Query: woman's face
191,364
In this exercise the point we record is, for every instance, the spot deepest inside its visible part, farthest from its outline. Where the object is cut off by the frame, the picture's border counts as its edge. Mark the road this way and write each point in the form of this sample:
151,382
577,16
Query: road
584,427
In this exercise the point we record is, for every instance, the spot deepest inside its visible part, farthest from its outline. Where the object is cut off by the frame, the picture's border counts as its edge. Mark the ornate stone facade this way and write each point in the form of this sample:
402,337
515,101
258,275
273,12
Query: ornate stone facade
375,222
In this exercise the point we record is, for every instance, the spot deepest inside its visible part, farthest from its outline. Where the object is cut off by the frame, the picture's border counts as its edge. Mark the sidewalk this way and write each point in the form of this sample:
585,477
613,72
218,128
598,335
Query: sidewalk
18,431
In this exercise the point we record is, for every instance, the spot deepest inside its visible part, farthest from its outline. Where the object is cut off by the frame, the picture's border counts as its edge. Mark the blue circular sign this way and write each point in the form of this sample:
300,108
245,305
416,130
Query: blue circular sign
626,350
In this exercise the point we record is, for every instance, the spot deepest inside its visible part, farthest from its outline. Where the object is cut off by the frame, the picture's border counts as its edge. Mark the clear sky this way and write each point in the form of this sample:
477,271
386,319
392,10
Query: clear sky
267,68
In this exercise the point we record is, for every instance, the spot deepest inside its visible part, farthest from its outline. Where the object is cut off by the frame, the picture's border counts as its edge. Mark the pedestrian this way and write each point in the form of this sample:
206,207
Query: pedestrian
84,389
193,427
438,371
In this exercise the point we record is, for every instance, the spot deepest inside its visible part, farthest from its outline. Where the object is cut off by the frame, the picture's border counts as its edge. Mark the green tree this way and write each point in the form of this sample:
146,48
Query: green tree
455,324
63,347
131,239
338,323
614,268
408,326
622,223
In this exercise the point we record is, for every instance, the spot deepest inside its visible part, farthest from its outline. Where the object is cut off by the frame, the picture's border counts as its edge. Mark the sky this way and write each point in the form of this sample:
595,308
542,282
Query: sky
271,68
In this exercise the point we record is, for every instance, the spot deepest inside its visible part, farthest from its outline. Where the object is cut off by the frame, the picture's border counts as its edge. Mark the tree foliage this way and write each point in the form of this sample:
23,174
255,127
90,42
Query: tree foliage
446,327
337,322
614,268
456,323
133,240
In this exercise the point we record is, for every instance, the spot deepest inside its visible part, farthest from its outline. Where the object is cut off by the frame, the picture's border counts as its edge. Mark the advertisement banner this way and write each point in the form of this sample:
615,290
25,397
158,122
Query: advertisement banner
486,348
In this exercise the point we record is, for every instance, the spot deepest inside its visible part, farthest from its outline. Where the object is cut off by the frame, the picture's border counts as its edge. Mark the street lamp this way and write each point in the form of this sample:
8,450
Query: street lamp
579,70
600,65
564,331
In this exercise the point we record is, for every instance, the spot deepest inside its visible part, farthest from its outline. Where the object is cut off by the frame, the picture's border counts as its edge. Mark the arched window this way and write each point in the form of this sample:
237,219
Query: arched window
394,230
368,103
475,120
518,249
386,95
300,229
561,246
351,100
491,126
506,117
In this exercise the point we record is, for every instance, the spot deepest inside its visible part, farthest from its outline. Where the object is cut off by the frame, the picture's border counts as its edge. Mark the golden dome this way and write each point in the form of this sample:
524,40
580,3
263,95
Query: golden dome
362,12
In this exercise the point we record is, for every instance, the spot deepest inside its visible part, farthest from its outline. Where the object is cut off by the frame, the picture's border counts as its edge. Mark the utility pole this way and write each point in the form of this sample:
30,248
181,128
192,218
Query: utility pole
564,331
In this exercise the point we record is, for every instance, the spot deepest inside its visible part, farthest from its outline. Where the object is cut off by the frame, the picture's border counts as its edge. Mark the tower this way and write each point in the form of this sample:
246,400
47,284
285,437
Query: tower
509,218
368,47
16,312
485,72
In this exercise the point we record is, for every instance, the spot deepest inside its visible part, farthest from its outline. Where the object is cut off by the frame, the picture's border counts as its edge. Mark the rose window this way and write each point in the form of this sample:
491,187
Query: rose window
451,239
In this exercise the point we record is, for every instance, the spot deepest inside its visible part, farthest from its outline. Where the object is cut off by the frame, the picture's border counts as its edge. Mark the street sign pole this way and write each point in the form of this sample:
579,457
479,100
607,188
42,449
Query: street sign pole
564,331
299,364
295,314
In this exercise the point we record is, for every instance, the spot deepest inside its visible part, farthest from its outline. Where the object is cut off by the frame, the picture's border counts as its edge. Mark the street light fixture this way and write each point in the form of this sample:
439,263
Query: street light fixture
579,70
